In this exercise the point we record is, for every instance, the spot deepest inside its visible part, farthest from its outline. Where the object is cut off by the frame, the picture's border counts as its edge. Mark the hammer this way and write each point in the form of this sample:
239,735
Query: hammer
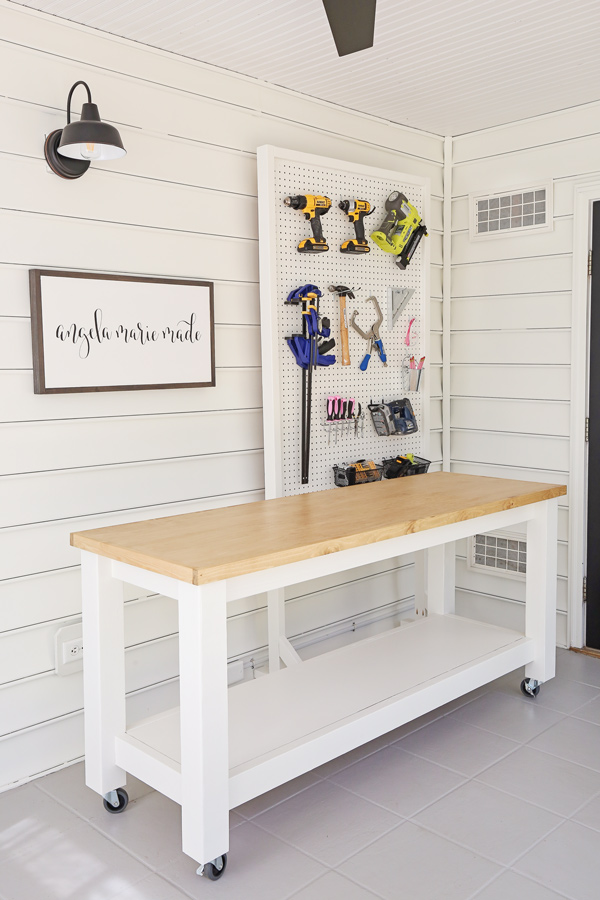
343,293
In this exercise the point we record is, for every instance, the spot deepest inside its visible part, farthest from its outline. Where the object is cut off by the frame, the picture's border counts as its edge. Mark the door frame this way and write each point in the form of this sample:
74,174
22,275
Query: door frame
585,194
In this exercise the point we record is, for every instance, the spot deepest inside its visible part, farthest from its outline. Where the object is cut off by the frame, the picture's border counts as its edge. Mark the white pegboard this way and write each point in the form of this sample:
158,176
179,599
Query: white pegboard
283,269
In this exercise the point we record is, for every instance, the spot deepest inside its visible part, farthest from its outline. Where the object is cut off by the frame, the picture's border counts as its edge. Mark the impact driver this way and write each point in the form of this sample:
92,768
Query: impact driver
313,206
356,213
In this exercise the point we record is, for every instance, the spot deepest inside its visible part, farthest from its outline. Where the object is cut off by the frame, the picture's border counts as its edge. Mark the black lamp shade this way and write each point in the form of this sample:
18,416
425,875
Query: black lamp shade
90,137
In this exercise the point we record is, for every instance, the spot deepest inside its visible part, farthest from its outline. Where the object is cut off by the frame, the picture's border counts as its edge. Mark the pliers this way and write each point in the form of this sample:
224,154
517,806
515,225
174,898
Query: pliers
372,336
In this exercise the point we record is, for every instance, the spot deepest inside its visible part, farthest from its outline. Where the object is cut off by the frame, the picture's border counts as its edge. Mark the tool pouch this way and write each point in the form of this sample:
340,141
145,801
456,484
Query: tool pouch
382,419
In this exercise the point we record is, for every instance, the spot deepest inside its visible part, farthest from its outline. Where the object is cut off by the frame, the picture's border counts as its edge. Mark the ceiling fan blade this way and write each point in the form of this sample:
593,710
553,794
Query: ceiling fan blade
352,24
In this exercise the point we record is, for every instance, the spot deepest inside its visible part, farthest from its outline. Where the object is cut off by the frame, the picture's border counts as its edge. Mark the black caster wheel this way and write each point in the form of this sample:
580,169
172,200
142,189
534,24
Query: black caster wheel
123,801
213,870
530,687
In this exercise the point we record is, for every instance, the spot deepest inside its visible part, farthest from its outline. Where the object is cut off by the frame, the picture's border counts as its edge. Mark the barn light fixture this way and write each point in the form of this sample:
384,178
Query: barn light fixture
69,150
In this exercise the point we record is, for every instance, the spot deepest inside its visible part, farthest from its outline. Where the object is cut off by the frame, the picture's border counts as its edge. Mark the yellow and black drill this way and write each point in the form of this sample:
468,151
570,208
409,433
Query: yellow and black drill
313,206
356,213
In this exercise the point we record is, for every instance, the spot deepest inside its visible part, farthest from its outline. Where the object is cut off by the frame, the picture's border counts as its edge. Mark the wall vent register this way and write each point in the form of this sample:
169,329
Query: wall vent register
525,209
498,554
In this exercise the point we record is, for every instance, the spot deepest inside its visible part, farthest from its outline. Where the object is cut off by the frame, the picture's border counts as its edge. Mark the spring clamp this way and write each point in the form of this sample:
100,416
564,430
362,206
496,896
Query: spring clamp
372,336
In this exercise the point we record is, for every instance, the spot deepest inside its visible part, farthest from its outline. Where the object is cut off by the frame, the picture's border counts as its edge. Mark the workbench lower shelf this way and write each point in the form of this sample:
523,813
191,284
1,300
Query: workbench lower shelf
297,718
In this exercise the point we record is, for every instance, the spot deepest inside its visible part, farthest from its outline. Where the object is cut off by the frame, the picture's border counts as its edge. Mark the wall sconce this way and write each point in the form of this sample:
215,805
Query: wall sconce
69,150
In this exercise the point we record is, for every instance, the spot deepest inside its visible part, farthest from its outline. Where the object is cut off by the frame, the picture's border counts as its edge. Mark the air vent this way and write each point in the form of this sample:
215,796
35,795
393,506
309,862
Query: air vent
499,554
522,209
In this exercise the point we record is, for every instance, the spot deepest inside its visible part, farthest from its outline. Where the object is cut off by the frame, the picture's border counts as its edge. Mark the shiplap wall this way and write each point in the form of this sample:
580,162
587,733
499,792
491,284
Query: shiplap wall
182,203
510,329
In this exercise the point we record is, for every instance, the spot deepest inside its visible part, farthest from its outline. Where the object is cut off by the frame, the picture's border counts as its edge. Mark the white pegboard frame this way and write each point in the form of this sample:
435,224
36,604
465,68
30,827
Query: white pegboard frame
282,268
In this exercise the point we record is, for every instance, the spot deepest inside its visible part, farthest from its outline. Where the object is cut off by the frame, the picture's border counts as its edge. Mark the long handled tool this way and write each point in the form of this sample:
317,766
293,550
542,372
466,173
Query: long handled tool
309,353
343,292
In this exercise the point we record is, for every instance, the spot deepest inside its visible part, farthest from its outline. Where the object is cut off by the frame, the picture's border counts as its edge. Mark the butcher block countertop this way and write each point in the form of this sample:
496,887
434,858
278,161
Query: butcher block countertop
216,544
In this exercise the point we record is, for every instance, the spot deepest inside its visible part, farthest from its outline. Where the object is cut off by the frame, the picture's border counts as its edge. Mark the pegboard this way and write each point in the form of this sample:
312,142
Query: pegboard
283,173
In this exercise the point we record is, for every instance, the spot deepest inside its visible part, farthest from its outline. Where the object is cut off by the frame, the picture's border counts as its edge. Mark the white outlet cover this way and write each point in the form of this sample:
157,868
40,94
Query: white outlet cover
64,636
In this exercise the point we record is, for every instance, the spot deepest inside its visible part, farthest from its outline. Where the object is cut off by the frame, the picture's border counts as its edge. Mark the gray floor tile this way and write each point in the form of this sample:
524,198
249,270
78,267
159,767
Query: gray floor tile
327,822
30,821
511,717
572,739
68,786
401,782
510,886
488,822
347,759
589,814
414,863
151,888
150,829
82,864
259,867
590,712
578,667
457,745
556,784
334,886
568,861
265,801
560,694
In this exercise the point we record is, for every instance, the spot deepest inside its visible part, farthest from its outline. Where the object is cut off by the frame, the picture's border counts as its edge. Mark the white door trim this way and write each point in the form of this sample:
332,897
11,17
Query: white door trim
585,195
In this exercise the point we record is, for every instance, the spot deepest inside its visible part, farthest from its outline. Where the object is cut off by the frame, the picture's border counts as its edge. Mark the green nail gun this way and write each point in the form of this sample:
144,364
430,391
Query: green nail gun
401,230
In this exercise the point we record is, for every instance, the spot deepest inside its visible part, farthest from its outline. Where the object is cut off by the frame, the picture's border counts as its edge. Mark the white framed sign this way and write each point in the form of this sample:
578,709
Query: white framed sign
93,332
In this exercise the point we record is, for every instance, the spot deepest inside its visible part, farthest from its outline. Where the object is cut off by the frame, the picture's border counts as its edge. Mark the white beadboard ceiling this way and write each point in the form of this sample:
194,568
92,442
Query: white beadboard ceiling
446,66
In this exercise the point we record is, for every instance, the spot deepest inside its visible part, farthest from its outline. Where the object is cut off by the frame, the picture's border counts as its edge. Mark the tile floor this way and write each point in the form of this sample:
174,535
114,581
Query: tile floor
493,797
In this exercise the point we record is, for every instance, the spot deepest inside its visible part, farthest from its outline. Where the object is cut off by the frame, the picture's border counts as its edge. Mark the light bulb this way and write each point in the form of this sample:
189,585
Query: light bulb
90,151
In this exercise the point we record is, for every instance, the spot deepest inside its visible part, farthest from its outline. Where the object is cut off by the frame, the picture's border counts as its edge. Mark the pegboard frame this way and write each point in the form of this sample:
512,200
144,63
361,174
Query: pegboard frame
268,157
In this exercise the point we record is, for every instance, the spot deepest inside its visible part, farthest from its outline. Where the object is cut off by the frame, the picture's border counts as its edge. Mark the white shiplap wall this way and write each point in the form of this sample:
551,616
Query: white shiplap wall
181,203
510,329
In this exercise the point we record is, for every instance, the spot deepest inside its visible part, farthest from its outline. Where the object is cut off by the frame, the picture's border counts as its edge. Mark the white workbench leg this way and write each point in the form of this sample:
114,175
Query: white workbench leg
441,579
540,591
421,583
204,721
103,672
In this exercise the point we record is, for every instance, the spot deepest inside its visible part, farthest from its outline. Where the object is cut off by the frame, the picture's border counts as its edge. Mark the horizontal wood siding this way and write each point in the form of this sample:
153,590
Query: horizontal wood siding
511,327
182,203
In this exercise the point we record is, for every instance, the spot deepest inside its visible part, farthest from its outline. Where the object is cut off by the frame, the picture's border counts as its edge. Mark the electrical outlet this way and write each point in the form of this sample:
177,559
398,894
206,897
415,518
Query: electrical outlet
69,649
72,650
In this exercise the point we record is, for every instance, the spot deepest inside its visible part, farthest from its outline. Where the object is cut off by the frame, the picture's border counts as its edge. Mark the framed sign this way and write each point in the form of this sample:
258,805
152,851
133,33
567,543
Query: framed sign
120,333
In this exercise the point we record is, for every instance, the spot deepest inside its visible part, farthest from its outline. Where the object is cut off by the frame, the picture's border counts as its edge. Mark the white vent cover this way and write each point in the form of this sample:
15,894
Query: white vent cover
505,212
499,553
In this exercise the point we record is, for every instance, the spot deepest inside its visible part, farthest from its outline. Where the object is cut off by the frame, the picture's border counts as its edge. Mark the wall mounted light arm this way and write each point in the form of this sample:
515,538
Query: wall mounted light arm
69,150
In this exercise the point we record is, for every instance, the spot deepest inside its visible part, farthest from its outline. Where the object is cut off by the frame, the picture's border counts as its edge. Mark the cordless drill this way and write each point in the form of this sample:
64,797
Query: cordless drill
356,213
313,206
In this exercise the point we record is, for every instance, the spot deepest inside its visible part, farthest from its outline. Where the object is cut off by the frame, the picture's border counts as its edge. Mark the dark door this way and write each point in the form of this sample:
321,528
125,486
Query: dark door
593,528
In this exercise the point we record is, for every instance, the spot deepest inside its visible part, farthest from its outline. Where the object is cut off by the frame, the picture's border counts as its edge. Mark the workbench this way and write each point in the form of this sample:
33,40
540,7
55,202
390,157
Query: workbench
222,747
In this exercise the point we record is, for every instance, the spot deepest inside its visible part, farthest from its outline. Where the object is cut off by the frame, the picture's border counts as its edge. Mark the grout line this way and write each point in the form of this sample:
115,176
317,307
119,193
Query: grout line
492,859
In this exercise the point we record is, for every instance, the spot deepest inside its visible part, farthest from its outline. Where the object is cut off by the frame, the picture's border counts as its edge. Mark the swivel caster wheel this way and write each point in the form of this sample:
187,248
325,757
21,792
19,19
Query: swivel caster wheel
214,869
116,801
530,687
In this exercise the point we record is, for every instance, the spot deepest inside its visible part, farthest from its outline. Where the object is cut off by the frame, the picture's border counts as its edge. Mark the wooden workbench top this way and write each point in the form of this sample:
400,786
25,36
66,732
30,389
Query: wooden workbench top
221,543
